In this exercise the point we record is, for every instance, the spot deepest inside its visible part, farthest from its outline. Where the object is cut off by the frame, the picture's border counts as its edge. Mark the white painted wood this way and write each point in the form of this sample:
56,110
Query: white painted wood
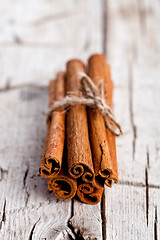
24,195
36,40
129,214
28,211
154,213
133,46
131,53
87,221
122,30
49,22
125,213
34,47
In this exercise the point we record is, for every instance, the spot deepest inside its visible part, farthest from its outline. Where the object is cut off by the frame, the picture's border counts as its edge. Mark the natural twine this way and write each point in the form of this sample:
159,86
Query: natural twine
90,98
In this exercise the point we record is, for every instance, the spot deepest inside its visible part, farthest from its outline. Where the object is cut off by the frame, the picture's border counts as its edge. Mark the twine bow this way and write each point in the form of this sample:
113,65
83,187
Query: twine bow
90,98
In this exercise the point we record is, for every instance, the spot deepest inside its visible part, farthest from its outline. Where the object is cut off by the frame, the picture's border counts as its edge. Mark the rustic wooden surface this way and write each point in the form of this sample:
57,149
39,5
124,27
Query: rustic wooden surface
36,39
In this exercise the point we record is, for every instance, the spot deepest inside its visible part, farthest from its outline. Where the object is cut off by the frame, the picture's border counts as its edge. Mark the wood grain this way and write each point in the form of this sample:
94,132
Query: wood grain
24,195
34,35
34,45
131,44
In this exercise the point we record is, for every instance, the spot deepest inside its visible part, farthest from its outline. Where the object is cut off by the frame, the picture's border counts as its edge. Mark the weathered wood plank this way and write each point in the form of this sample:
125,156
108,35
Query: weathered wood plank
86,221
132,50
28,211
38,44
122,26
35,23
24,195
134,70
154,214
125,213
32,51
49,22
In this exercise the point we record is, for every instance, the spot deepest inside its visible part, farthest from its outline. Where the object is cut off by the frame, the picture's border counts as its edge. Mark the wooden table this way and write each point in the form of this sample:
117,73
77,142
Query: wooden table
36,39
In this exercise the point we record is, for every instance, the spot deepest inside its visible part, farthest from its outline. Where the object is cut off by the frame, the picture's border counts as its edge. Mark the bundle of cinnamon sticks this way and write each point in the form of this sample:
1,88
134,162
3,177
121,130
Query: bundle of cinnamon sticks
79,155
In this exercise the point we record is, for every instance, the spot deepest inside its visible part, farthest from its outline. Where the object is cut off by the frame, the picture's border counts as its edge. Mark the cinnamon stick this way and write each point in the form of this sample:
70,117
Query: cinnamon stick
103,165
108,91
63,185
78,146
45,167
108,182
87,193
56,134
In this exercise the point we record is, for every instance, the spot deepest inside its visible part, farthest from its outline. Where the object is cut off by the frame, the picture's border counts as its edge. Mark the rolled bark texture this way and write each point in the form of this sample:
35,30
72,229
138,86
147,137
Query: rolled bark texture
53,150
102,140
108,91
63,185
78,146
89,194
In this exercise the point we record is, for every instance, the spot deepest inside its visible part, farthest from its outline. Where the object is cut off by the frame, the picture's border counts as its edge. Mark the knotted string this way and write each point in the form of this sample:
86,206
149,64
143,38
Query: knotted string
90,98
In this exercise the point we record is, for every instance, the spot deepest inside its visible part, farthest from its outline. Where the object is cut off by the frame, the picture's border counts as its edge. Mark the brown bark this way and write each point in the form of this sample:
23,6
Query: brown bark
102,140
108,91
108,182
45,167
56,134
63,185
78,146
99,144
89,194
